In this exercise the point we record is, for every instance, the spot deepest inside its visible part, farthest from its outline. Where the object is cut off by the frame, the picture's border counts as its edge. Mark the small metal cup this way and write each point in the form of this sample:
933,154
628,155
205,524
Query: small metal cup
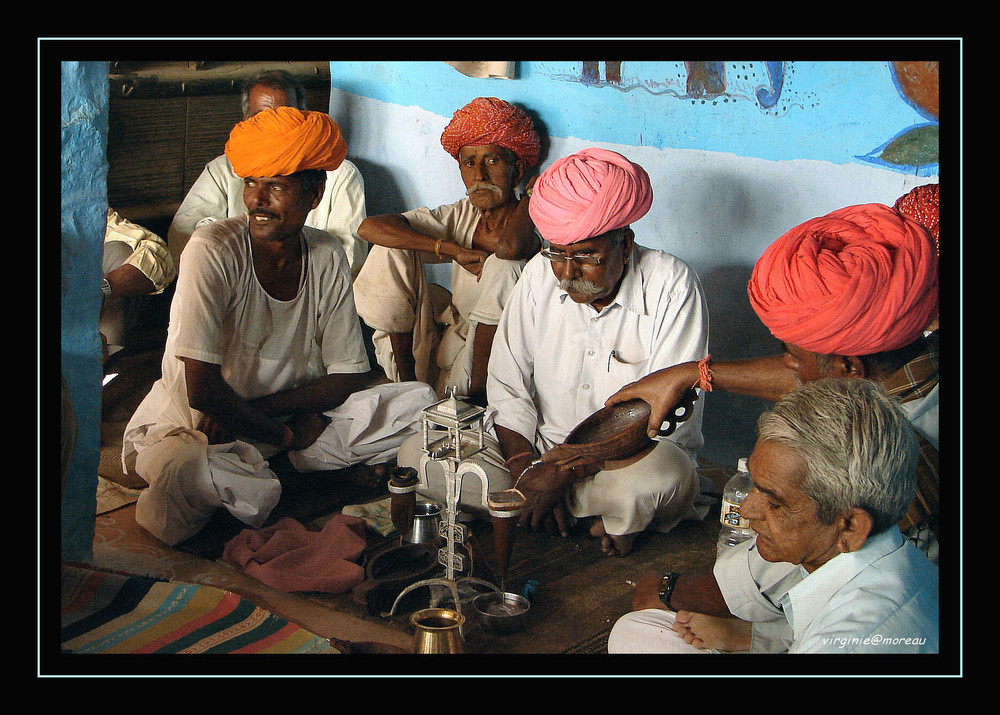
426,524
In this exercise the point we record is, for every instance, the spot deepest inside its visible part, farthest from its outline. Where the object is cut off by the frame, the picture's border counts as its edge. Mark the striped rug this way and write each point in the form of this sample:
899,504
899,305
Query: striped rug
104,612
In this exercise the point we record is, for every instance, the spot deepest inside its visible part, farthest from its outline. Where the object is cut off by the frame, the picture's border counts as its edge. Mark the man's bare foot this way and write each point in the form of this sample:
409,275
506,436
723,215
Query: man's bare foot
728,634
610,544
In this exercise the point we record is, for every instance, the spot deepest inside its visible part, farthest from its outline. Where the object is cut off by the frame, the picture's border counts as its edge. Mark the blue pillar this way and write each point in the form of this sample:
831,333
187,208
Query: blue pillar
84,125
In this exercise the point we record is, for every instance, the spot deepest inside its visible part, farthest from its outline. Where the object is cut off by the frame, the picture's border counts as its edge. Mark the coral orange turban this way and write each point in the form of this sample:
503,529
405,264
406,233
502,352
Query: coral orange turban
921,204
858,281
588,193
488,120
283,140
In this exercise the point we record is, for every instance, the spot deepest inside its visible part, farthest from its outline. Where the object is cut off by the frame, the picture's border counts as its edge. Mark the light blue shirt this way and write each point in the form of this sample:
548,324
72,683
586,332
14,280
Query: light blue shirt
882,598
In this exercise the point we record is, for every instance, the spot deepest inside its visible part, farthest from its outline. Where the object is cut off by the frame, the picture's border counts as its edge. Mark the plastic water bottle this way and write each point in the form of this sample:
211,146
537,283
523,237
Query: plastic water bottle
735,529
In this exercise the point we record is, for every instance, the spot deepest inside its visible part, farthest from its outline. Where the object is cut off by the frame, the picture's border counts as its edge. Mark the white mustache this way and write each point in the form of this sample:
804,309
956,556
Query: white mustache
483,185
580,285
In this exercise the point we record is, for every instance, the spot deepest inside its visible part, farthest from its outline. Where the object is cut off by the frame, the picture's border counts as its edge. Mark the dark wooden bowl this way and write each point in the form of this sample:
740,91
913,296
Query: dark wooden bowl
612,433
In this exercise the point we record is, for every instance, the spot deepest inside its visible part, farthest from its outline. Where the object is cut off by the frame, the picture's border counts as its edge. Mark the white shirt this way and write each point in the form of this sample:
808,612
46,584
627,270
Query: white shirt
221,314
218,193
554,361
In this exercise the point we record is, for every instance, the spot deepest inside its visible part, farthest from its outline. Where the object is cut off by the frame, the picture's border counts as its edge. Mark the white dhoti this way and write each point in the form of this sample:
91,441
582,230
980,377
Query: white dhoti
189,479
656,492
647,632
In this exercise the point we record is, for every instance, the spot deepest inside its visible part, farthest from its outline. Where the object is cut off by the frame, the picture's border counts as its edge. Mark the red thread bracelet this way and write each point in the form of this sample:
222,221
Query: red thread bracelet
705,374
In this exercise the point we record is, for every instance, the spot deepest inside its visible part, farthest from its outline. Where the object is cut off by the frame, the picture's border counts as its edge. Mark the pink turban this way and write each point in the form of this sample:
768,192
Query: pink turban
588,193
858,281
283,140
488,120
921,204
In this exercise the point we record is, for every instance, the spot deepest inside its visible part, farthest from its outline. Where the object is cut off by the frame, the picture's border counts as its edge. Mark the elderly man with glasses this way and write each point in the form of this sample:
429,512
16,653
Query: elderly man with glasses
591,313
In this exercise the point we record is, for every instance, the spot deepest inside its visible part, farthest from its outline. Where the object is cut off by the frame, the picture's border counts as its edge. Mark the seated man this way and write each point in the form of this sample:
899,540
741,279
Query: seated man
264,350
136,264
834,470
849,294
218,192
590,314
486,236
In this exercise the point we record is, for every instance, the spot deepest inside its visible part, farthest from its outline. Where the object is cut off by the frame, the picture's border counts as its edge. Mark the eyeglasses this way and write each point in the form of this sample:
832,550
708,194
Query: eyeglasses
580,259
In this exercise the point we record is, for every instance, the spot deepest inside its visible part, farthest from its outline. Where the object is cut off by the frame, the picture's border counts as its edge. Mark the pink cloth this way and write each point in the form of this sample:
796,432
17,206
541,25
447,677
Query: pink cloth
289,557
858,281
588,193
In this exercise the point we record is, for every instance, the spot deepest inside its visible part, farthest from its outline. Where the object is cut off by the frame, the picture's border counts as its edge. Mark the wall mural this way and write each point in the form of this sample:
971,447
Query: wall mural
913,150
761,81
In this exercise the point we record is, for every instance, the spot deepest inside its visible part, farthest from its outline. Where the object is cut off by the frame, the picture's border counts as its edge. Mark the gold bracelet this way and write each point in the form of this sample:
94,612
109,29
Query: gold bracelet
437,248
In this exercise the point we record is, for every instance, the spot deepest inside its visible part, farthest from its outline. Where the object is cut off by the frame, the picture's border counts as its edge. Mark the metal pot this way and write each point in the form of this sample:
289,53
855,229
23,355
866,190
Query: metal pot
426,524
437,630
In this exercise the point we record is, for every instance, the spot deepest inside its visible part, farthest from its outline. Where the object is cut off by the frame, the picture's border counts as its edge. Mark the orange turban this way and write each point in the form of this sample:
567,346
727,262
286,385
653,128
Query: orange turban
488,120
858,281
588,193
283,140
921,204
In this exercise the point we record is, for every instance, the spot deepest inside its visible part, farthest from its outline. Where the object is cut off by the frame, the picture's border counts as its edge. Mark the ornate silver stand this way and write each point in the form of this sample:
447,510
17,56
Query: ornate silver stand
464,438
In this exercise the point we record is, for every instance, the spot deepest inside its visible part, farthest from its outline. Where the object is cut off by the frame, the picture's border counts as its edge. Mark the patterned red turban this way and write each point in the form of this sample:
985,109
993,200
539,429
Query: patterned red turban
588,193
283,140
488,120
921,204
858,281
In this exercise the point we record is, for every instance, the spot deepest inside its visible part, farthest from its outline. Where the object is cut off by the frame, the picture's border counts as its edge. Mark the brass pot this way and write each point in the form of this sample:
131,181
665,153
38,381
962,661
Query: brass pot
438,630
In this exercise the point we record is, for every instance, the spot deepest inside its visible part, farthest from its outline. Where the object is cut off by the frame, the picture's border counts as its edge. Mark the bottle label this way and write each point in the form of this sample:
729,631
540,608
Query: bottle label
730,516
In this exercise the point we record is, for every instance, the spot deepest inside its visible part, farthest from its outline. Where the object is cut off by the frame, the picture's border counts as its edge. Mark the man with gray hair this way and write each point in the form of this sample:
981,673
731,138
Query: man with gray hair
218,192
834,469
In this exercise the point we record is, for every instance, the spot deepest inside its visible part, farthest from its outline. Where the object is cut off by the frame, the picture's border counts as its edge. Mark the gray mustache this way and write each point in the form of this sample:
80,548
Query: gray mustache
580,285
482,185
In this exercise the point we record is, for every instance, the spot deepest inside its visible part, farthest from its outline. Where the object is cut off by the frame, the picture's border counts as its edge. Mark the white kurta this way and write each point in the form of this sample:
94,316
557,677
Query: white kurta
554,363
221,314
217,193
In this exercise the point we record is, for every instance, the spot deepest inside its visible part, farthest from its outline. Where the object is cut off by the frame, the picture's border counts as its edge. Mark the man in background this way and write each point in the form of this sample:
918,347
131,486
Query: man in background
218,192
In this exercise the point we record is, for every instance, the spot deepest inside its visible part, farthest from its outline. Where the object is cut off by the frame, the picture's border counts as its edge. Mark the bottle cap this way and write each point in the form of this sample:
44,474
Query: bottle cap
742,465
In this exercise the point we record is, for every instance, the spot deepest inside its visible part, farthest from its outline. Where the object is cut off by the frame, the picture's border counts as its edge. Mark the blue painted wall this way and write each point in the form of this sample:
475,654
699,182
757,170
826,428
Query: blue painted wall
738,153
84,217
829,111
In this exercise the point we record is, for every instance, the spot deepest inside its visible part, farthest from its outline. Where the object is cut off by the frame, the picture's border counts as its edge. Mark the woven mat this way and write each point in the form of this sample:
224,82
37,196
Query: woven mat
111,613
